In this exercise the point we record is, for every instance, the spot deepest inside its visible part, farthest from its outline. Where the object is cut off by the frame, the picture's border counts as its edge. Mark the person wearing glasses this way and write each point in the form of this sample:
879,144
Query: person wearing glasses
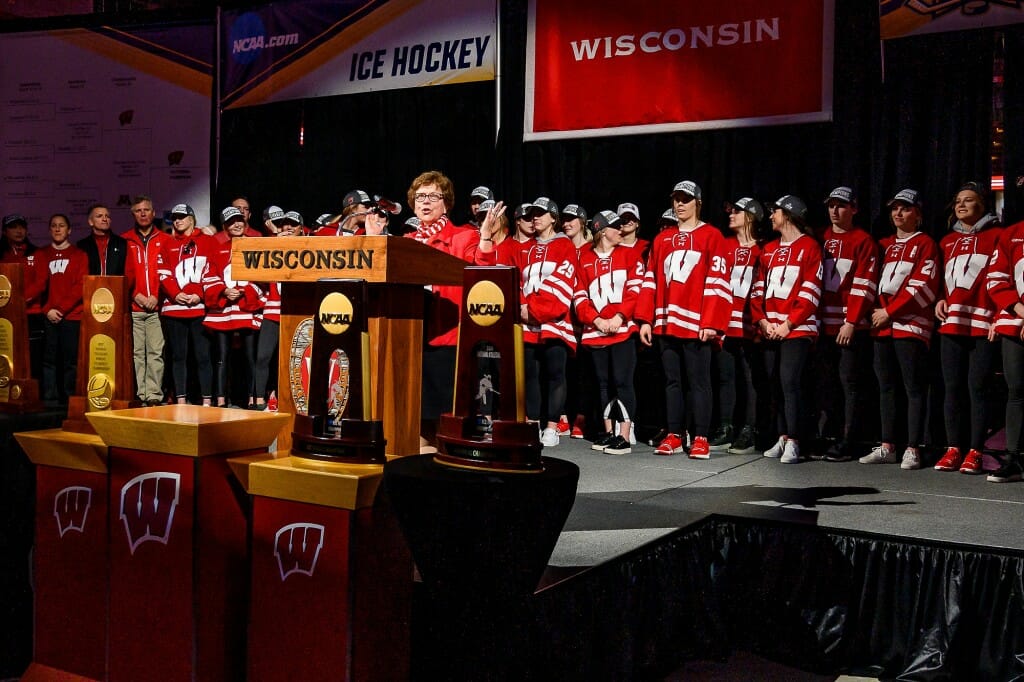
182,264
784,306
902,324
850,270
735,361
685,303
965,314
431,197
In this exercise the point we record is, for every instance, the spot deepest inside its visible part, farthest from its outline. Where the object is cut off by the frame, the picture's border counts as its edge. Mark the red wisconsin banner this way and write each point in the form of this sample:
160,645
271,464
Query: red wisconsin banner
601,67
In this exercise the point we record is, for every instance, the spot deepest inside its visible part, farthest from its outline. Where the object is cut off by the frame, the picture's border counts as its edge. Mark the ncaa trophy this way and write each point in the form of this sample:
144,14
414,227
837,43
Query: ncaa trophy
487,428
335,426
104,353
19,392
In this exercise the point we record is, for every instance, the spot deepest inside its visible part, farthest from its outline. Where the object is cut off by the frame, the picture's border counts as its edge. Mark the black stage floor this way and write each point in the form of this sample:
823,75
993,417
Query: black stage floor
829,567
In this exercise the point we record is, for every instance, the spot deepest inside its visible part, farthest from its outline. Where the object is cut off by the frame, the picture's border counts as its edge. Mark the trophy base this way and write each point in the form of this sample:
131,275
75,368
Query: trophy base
78,405
22,396
511,446
356,442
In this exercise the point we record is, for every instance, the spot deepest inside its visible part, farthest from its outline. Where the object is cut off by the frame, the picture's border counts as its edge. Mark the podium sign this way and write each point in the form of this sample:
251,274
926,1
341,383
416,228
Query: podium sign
337,424
487,428
105,369
19,392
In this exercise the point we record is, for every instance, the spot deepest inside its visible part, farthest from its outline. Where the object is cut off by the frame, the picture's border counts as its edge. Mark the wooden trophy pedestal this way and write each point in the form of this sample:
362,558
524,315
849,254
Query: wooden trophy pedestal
78,406
70,557
511,445
331,576
24,397
179,530
358,441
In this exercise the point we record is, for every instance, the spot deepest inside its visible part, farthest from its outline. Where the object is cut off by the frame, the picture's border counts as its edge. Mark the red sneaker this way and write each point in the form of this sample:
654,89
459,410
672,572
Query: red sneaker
950,461
272,402
700,449
576,432
972,463
670,445
563,427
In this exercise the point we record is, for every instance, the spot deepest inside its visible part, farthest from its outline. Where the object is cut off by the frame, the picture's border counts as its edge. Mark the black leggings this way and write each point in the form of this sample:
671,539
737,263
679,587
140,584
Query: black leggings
850,365
178,331
547,360
616,364
905,359
222,360
266,348
1013,372
694,358
966,364
784,362
734,366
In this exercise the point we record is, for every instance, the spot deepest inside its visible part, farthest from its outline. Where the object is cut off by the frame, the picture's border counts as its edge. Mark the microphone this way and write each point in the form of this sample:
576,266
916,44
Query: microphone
386,205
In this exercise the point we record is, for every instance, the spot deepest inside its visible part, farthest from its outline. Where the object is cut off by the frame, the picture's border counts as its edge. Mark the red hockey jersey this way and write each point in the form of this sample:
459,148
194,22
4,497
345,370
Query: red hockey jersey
608,284
221,313
907,284
548,270
686,287
743,264
1006,280
970,310
849,271
789,287
181,264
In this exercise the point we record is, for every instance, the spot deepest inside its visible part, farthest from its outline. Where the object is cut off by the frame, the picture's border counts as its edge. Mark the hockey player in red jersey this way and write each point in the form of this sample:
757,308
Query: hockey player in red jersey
739,351
965,314
610,277
182,263
901,324
850,269
785,309
1006,288
685,303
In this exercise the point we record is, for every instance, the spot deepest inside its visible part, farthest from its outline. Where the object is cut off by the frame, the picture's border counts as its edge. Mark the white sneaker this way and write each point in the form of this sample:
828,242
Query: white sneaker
549,438
776,450
632,433
880,455
790,453
911,459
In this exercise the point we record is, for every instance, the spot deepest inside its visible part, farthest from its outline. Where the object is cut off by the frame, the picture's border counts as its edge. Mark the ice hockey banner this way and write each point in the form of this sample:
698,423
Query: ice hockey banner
899,18
297,49
599,67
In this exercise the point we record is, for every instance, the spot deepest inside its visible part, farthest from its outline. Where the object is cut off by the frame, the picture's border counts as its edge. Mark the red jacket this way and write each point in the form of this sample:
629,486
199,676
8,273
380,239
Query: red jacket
61,273
141,268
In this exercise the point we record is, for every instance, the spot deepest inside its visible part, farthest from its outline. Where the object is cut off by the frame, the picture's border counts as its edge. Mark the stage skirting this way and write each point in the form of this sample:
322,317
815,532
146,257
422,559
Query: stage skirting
822,601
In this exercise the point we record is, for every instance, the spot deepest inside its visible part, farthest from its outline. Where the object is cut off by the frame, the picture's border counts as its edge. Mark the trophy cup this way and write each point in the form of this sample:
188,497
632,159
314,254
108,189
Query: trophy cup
335,426
19,392
487,428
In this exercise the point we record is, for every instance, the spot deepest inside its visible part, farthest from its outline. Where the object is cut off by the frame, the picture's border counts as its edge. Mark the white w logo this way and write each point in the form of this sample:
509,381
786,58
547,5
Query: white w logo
58,266
608,288
962,271
190,271
680,264
781,281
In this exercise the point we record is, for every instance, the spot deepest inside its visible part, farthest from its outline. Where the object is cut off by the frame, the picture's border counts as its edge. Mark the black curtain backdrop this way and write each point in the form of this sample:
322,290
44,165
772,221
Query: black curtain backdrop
927,125
1013,120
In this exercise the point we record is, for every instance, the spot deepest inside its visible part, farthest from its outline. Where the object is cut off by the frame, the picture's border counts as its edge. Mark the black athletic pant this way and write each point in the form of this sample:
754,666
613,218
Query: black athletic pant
177,332
222,360
687,362
1013,372
266,348
735,370
60,350
545,372
784,362
906,360
966,366
615,365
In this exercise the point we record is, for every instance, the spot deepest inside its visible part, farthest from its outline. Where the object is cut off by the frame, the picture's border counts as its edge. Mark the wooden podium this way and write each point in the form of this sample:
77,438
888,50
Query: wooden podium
19,392
178,534
397,269
70,555
106,378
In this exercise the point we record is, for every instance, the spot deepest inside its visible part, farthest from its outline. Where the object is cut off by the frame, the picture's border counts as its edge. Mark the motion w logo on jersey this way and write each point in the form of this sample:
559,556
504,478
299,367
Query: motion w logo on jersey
836,268
964,265
59,265
190,271
680,264
607,288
